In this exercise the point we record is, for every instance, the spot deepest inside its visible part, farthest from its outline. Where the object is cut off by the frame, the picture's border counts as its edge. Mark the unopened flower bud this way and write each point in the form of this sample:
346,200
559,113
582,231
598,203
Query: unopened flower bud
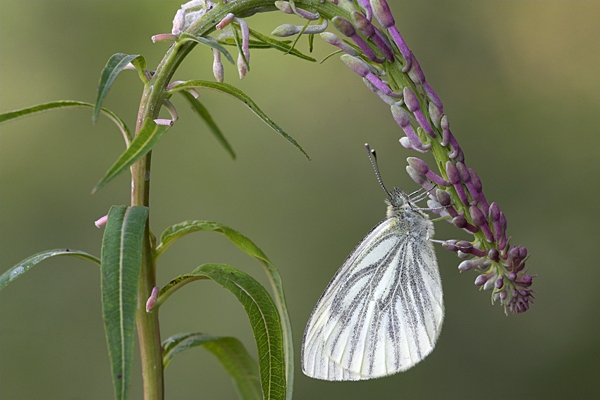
494,255
151,303
332,39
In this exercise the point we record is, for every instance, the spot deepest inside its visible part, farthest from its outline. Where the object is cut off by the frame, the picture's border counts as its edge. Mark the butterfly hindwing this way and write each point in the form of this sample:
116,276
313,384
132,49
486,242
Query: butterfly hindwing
382,311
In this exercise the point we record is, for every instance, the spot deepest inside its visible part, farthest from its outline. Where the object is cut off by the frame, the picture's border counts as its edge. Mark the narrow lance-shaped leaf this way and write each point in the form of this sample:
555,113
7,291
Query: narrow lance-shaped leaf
121,264
16,271
211,43
149,135
230,352
235,92
24,112
175,232
115,64
263,315
205,115
281,45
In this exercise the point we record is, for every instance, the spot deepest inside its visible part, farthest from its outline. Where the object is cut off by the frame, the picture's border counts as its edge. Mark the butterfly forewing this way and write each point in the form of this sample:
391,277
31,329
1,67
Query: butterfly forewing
382,312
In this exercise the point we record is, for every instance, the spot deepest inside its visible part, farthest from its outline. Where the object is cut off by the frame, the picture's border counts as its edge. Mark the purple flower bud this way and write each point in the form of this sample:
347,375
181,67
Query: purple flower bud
432,95
525,280
286,30
480,263
452,172
386,99
415,176
454,178
412,103
445,125
362,69
357,65
347,29
464,246
386,19
287,8
443,197
366,6
436,114
513,253
494,255
482,279
522,252
479,218
461,222
503,294
494,215
511,276
490,284
344,26
402,118
421,167
411,100
365,27
382,13
477,185
416,73
450,245
332,39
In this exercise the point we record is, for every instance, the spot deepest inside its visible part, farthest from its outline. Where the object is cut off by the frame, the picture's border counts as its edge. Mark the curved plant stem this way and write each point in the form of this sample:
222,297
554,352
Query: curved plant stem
150,105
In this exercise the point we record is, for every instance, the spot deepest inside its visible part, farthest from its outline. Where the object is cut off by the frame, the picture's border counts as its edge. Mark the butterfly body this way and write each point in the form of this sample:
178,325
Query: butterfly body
383,310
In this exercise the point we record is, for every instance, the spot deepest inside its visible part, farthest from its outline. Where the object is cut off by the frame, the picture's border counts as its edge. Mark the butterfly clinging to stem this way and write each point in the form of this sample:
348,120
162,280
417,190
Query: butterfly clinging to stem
383,310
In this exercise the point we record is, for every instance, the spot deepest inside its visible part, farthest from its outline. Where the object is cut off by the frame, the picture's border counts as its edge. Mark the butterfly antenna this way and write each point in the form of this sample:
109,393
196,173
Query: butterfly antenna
373,159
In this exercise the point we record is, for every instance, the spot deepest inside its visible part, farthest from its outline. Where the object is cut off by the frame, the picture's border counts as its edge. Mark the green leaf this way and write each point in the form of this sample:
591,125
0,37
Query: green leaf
238,44
149,135
8,116
114,65
263,315
280,45
121,264
205,115
13,273
175,232
140,65
230,352
235,92
252,44
211,43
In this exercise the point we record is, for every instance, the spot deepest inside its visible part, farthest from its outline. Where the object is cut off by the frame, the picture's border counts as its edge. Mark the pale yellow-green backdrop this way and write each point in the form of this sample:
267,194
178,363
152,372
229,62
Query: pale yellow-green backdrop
520,81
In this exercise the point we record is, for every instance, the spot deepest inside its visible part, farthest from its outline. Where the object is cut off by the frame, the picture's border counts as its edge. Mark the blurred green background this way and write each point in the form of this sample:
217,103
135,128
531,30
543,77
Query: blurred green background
520,83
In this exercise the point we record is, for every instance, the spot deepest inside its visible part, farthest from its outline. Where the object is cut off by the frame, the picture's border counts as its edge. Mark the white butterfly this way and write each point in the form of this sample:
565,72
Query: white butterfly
383,310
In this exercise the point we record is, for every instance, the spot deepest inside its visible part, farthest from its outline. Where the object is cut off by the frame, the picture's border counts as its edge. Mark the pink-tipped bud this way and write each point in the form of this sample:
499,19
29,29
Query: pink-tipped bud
151,303
101,222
